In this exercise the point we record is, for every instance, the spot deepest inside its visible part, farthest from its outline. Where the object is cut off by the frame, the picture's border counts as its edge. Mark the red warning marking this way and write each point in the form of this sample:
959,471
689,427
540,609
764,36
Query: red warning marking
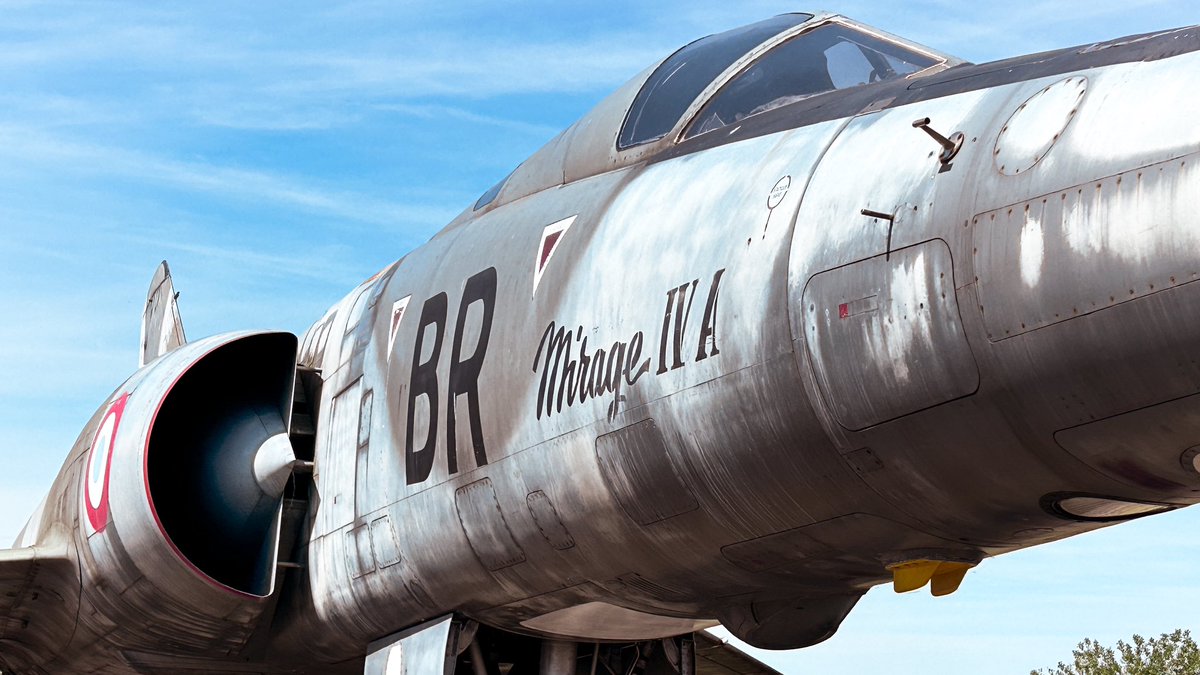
843,310
548,246
552,236
398,308
396,314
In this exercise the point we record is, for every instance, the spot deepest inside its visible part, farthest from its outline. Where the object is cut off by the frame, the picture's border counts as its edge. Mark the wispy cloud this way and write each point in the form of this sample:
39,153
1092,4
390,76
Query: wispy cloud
229,182
287,79
492,68
992,31
320,265
270,115
433,112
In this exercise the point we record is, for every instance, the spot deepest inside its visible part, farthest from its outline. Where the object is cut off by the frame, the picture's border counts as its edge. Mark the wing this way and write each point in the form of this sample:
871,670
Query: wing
715,656
39,599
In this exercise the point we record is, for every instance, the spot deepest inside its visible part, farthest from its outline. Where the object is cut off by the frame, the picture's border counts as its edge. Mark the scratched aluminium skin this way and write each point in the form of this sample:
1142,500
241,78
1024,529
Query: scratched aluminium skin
647,388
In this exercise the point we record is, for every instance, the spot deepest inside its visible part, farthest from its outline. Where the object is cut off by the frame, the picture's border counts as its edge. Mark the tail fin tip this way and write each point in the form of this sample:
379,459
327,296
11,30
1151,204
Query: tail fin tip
162,329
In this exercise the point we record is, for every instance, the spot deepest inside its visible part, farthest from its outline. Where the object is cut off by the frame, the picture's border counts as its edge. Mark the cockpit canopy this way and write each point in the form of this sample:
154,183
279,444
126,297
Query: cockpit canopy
678,80
715,82
830,56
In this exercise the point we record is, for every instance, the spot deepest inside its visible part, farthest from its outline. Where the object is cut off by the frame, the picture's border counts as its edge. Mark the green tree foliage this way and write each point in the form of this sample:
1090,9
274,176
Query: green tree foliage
1169,654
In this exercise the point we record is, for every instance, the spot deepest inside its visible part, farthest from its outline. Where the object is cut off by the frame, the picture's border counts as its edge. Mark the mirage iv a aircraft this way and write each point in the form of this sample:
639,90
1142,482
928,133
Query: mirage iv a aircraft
803,309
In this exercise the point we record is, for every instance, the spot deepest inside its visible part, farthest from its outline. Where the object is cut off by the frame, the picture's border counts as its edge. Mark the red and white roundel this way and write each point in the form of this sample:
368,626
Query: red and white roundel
95,484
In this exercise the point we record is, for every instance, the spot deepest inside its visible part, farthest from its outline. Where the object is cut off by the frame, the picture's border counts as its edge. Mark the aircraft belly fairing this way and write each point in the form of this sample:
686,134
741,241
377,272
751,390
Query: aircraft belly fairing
741,371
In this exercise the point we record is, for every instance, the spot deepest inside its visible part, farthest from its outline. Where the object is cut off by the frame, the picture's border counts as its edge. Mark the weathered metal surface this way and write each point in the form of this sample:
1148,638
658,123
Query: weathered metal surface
1037,124
637,467
716,657
162,329
548,521
600,620
422,650
334,473
484,524
1144,448
1088,247
885,338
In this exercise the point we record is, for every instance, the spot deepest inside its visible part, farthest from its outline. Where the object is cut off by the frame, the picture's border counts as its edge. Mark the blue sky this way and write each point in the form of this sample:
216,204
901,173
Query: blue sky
278,153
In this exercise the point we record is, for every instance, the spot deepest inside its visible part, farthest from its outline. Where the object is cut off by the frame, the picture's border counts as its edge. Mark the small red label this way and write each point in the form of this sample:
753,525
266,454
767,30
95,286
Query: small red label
843,310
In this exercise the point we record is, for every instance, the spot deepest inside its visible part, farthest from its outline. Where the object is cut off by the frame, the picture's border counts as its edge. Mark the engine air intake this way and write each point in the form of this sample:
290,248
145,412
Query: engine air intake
218,456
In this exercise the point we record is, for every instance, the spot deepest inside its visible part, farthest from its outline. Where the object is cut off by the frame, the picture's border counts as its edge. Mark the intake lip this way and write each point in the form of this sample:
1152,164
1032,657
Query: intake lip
217,458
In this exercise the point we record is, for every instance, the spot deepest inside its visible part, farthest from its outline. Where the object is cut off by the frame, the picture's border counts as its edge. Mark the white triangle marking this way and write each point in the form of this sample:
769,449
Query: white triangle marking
553,232
398,308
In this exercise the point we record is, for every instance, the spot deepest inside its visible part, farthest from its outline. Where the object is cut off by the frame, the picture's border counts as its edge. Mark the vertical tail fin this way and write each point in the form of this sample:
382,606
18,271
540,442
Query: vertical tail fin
162,329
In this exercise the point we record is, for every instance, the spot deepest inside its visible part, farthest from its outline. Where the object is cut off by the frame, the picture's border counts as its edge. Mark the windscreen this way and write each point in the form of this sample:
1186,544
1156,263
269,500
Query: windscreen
827,58
672,87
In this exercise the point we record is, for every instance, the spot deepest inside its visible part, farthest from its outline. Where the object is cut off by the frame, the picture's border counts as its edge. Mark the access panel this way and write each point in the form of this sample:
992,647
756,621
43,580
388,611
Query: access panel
885,338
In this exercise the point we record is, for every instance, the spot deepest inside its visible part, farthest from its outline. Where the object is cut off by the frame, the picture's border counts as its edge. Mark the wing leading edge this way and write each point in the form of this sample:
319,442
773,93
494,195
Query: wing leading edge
715,656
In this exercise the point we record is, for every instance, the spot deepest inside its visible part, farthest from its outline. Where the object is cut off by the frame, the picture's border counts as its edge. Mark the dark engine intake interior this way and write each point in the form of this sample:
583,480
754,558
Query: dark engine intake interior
200,463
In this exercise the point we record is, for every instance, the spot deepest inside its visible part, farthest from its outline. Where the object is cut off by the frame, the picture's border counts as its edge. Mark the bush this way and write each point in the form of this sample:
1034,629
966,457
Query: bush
1169,654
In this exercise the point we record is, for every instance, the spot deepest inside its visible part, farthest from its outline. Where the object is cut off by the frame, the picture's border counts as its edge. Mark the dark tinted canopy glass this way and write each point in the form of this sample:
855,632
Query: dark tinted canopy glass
679,80
829,57
490,196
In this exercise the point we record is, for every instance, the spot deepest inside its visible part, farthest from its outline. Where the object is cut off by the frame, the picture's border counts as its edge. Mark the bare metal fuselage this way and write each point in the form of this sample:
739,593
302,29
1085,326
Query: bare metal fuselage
760,399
